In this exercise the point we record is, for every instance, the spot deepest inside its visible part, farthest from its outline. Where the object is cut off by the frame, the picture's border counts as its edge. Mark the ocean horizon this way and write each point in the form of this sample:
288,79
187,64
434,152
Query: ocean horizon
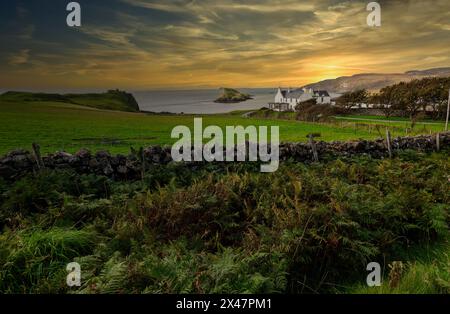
200,101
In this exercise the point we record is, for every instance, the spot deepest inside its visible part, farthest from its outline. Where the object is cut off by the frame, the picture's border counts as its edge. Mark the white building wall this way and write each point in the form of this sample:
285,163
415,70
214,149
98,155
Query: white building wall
279,96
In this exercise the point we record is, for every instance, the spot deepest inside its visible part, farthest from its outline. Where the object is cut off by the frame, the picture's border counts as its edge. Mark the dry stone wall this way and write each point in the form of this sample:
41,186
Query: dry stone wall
20,162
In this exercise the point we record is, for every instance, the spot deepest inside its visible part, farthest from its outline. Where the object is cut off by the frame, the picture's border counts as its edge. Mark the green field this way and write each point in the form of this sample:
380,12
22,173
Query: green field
395,122
59,126
398,126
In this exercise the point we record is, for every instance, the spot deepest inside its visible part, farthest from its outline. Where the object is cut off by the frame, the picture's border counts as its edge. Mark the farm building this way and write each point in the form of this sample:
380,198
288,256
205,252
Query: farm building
286,100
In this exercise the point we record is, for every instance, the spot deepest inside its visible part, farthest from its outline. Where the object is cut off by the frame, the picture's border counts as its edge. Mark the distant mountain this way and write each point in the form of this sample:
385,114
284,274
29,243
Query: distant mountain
375,81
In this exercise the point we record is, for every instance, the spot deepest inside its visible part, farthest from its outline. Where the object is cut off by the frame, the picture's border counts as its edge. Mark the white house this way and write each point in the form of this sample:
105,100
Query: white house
286,100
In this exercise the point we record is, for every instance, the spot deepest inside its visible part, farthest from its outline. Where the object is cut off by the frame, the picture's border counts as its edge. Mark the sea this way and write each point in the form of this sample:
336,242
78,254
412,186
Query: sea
200,101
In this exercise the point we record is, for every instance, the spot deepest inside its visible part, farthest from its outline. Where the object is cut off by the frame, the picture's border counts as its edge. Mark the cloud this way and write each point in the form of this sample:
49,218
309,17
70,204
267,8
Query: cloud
176,6
157,43
224,5
20,57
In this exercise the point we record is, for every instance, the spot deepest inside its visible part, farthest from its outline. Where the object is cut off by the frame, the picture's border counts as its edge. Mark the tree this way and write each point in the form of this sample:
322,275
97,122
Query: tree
434,95
387,100
409,101
350,99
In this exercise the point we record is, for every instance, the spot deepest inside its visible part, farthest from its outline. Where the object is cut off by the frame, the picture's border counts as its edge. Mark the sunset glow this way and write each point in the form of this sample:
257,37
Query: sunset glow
193,44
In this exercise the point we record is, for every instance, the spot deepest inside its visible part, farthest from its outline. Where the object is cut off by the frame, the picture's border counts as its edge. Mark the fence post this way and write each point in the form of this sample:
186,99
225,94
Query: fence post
448,112
438,141
312,143
388,141
37,155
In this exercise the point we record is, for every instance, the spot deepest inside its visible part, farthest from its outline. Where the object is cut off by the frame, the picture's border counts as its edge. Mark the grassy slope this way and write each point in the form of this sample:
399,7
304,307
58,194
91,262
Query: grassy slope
111,100
58,126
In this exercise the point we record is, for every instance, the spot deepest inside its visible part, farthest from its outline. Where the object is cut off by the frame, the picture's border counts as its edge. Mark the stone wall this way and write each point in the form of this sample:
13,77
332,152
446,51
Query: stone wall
20,162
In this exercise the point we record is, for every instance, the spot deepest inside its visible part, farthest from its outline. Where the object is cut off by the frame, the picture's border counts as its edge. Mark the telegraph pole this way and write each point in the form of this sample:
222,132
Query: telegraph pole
448,112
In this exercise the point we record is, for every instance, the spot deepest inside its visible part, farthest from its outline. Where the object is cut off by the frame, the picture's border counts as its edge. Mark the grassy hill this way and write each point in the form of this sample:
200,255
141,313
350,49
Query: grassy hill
111,100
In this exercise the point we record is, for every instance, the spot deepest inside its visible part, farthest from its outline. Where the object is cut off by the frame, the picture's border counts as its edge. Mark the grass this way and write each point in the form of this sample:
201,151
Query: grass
393,119
59,126
371,124
66,127
427,272
396,122
39,257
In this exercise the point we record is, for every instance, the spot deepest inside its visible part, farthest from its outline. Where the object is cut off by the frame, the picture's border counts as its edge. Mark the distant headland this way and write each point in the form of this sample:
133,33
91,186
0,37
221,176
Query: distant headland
111,100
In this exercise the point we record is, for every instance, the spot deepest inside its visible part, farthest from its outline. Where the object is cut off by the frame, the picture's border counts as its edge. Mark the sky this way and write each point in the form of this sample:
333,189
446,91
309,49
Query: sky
146,44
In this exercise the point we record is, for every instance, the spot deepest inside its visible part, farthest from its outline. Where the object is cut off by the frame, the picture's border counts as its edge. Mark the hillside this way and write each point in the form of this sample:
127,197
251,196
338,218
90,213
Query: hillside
374,81
230,95
111,100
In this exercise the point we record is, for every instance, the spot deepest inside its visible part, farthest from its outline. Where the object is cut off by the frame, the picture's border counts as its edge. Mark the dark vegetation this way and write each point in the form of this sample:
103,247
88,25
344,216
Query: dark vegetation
222,228
111,100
